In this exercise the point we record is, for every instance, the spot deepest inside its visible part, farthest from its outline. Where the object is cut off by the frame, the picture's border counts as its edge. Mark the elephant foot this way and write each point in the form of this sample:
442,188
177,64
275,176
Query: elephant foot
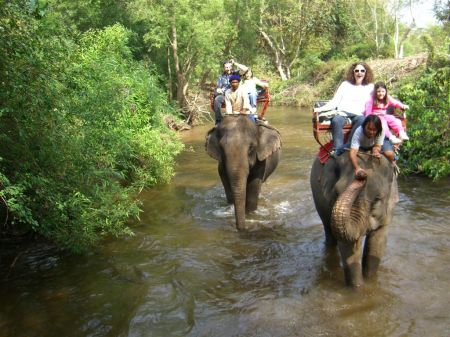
247,227
251,205
250,209
353,275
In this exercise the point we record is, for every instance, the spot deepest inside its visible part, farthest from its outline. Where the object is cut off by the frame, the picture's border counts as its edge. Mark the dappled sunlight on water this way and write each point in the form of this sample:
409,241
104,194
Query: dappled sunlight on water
188,272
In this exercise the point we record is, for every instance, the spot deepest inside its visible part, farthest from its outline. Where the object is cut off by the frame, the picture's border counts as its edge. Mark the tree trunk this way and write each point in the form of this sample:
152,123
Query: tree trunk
277,56
169,71
280,69
400,52
375,21
402,41
181,82
399,42
396,35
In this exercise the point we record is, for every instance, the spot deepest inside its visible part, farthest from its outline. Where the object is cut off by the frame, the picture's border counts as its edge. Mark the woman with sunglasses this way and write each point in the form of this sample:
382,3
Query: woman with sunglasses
349,102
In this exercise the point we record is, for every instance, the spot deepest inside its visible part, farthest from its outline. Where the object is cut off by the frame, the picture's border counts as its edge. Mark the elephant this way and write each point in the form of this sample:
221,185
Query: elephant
247,153
353,207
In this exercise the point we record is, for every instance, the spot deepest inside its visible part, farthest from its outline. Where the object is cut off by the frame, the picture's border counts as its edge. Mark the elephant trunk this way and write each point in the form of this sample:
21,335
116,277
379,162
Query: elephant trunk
348,221
238,183
239,207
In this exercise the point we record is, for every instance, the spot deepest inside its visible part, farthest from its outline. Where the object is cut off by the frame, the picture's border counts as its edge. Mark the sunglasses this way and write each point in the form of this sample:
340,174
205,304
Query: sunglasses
359,70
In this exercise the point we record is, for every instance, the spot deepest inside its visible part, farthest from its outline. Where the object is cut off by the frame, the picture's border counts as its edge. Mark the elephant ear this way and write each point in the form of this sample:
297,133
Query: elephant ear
269,141
212,144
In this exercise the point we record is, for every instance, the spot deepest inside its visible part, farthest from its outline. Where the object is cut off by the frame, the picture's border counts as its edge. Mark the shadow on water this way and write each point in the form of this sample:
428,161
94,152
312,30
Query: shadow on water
188,272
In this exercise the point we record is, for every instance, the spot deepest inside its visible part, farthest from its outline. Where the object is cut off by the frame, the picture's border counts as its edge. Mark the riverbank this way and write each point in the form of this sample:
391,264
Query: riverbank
320,82
186,272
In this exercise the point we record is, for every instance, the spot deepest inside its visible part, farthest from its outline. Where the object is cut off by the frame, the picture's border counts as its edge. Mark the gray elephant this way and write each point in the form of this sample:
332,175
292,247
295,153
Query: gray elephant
247,154
352,208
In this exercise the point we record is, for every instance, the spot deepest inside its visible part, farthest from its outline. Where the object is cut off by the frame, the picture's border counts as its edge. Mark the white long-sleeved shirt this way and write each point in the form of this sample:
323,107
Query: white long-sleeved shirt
349,98
251,83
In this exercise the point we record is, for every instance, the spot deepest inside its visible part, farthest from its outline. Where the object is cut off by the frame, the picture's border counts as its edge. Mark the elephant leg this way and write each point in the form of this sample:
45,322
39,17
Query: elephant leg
330,241
225,182
324,215
253,190
351,253
374,250
322,205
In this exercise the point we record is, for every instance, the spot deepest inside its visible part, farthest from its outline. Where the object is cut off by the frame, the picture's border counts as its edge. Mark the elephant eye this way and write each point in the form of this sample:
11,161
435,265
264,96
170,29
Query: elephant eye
377,199
376,203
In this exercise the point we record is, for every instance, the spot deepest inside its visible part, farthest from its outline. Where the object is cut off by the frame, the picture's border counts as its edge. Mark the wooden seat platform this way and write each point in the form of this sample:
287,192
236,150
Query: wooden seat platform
322,129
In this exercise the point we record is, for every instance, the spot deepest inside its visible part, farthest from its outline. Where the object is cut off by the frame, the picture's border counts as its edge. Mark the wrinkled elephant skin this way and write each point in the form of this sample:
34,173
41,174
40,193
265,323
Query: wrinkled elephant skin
353,209
247,154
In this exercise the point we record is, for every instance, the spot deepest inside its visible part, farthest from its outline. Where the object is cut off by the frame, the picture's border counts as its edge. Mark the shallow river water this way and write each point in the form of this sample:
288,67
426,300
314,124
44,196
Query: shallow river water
187,272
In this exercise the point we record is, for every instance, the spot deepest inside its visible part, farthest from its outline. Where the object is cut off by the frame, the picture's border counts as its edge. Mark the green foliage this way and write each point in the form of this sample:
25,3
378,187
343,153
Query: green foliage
442,12
82,116
316,80
83,15
428,151
201,31
81,124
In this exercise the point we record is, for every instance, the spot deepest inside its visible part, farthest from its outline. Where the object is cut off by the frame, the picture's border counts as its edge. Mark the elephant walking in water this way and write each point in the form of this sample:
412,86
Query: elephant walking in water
352,208
247,154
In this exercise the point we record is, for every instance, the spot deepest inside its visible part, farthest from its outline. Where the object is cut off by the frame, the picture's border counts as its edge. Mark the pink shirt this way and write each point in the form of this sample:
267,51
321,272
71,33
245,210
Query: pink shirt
380,108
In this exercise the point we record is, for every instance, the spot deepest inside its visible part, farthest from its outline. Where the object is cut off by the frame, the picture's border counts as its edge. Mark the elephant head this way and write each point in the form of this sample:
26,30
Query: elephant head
247,154
353,207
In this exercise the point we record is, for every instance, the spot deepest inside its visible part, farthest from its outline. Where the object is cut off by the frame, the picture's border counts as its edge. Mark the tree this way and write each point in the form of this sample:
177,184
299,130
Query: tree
190,29
442,12
287,26
372,20
428,151
82,129
88,14
396,7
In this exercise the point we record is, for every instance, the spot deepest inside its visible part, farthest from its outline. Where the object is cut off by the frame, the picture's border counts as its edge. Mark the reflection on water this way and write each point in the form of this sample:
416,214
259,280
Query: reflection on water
188,272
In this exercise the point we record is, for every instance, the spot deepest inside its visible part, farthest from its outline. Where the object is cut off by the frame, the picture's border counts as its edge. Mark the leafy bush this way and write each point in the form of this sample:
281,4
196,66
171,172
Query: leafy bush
428,151
316,81
82,129
363,50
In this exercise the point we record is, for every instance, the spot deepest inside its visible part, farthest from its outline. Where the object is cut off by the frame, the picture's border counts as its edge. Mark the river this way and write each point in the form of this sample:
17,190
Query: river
187,272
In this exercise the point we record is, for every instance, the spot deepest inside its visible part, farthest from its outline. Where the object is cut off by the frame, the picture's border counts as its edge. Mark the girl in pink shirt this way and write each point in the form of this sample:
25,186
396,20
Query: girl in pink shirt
378,106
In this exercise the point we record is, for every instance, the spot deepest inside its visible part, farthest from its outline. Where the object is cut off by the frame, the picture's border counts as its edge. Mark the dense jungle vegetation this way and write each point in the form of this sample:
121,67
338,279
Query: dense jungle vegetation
87,88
